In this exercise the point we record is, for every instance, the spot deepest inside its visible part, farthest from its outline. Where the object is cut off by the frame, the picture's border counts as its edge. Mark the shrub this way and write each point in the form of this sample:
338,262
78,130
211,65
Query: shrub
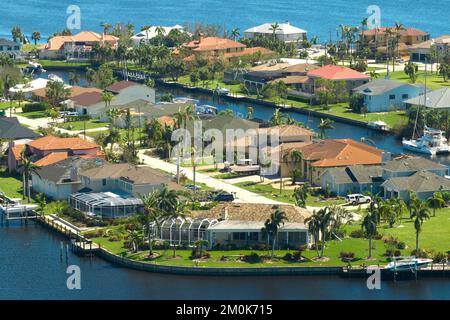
346,256
94,234
377,237
401,245
419,253
252,258
288,257
357,234
37,106
439,257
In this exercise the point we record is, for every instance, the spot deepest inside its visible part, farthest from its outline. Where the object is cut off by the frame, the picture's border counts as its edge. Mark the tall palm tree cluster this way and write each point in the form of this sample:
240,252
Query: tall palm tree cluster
159,206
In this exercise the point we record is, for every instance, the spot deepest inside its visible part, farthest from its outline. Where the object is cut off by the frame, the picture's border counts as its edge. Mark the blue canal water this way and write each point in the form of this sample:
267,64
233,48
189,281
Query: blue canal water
318,17
31,268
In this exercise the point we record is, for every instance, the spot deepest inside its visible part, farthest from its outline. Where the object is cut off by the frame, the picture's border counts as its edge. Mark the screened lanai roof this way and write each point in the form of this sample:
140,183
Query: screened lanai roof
105,199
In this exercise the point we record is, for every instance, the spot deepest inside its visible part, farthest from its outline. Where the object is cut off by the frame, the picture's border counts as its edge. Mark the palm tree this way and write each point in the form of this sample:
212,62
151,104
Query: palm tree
36,36
134,237
436,201
178,211
74,78
296,157
278,118
274,28
107,97
369,224
235,33
113,138
326,218
271,226
420,214
325,124
41,204
313,223
106,27
373,74
398,27
301,194
28,168
153,215
56,92
113,114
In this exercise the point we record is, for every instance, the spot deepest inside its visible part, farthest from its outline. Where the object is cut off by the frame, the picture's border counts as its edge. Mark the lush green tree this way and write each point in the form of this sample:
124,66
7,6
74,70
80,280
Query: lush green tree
369,224
272,225
28,168
36,36
436,201
301,194
56,92
419,215
323,126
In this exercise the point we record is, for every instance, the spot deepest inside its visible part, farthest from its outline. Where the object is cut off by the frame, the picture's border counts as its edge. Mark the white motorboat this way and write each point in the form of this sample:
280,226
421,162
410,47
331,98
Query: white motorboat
380,125
54,77
185,100
408,264
206,109
223,91
432,143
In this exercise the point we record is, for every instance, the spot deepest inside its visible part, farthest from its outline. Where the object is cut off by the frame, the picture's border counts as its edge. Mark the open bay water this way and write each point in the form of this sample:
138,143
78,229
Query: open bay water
31,268
318,17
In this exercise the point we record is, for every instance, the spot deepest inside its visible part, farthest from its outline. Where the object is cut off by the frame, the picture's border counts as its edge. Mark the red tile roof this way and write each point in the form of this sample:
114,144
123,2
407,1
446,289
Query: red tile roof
52,158
213,43
119,86
87,99
50,143
17,150
407,32
341,152
332,72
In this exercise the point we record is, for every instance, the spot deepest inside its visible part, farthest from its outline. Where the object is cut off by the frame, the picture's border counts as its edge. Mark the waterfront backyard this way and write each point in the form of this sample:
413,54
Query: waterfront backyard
433,239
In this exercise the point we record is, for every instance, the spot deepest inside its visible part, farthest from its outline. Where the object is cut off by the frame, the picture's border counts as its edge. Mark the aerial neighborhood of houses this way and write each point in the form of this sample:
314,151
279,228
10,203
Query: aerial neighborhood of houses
97,134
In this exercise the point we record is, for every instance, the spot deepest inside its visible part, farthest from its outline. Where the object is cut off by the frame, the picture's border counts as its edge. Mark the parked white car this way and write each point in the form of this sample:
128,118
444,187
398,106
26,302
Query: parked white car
355,199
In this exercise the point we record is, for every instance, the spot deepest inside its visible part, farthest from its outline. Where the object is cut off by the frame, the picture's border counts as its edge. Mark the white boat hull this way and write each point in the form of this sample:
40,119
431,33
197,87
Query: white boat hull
408,265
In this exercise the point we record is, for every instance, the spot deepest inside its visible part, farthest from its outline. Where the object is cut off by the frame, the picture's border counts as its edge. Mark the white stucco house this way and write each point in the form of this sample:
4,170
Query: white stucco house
145,36
285,32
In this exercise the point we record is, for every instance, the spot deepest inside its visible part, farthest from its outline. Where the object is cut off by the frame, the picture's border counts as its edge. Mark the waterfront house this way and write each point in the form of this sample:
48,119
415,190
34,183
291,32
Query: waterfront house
215,47
437,99
383,95
285,32
236,225
144,36
422,183
352,78
422,52
75,91
406,166
28,88
326,154
114,190
58,177
293,75
11,48
387,179
76,47
125,92
376,38
45,146
341,181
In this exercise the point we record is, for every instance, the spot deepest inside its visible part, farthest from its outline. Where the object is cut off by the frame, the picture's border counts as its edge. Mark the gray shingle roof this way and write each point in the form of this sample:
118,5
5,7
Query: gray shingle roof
352,174
61,170
11,129
436,99
412,164
422,181
379,86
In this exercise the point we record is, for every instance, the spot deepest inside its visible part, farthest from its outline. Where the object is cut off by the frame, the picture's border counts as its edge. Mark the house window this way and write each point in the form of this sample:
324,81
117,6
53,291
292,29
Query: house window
253,236
405,96
392,97
239,236
104,182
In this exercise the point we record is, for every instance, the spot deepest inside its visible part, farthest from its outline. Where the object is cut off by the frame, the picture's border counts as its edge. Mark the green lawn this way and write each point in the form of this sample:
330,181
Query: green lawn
434,237
11,185
270,192
63,63
6,105
433,81
34,114
79,125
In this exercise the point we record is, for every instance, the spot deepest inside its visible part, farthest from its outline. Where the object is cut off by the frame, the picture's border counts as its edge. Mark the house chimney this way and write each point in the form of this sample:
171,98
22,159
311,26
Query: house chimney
224,214
74,174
